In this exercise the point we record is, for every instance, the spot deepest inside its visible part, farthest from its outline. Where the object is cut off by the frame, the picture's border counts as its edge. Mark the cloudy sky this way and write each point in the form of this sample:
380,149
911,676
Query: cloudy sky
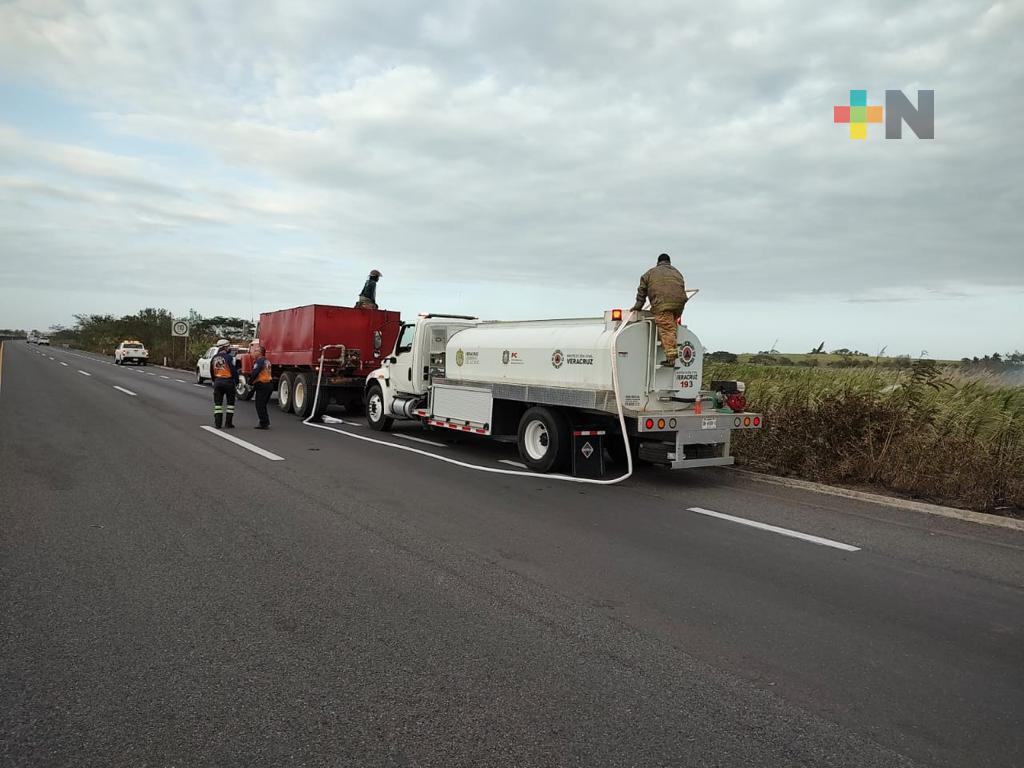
518,159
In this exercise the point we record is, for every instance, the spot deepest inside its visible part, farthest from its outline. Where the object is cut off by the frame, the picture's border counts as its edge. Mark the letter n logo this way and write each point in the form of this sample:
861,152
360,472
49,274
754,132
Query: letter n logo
899,110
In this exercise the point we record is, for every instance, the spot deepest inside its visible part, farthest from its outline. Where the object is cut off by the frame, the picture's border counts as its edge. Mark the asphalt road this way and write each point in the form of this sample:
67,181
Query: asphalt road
170,598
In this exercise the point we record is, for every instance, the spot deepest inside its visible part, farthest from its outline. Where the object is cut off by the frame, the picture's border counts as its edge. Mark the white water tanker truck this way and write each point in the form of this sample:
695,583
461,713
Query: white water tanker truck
542,381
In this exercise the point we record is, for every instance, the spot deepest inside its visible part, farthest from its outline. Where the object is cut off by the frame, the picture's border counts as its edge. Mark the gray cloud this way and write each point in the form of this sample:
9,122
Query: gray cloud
554,147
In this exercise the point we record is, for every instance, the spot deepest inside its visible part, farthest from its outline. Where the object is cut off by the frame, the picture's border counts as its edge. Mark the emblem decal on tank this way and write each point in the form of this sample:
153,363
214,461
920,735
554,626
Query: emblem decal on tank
557,358
460,357
687,353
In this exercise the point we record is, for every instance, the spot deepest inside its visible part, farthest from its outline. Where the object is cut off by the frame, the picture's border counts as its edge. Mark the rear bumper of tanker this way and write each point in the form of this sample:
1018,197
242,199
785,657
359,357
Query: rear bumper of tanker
690,440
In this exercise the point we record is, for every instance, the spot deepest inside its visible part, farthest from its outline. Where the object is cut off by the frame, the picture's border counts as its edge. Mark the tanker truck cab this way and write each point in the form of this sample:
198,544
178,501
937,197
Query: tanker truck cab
403,383
544,382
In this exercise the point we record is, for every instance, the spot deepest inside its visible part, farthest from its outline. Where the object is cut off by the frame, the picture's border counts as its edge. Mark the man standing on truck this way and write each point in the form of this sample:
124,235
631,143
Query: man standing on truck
262,383
368,296
664,286
224,372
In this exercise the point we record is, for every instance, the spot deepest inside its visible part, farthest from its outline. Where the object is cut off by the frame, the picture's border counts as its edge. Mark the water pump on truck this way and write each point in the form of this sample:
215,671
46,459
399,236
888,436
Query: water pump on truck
540,380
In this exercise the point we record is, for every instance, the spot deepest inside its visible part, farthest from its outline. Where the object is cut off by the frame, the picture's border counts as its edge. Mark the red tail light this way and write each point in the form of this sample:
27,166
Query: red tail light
736,402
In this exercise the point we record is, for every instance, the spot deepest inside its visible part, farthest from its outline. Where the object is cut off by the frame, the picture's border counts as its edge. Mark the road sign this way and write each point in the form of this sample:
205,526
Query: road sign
179,328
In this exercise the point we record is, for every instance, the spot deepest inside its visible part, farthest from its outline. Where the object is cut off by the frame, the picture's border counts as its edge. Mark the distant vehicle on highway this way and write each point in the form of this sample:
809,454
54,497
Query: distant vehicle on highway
130,351
43,340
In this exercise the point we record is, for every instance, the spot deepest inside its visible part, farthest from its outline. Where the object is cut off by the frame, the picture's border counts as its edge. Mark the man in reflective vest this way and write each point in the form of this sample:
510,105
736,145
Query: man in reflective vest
224,372
664,286
262,378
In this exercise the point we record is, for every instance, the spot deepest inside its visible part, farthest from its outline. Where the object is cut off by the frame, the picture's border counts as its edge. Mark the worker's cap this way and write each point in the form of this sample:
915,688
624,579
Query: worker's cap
664,258
375,273
223,343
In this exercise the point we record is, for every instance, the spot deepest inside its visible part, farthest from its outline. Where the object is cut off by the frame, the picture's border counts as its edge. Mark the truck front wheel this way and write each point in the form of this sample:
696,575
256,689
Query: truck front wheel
375,415
242,389
544,439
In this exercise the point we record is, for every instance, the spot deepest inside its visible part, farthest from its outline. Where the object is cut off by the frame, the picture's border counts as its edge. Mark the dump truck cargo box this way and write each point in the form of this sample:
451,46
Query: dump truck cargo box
295,337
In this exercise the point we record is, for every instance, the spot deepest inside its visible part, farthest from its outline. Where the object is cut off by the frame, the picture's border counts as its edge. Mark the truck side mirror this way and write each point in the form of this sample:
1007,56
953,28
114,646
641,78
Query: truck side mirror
392,360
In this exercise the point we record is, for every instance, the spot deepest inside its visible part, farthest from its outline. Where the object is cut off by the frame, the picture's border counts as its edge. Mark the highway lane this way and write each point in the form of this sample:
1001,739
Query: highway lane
371,606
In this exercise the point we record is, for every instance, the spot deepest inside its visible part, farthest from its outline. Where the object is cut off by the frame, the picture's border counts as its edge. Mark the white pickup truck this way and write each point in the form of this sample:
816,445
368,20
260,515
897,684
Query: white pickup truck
544,381
131,352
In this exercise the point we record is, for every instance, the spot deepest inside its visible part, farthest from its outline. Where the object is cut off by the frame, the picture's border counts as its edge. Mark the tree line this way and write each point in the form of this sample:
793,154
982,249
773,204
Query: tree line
102,333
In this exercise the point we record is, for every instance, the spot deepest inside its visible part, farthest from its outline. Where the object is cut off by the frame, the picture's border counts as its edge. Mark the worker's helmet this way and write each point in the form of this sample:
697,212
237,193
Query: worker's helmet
223,343
374,273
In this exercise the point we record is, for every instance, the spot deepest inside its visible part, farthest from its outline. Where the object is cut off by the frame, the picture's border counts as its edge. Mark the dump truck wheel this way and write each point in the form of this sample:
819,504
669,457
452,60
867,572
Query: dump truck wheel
284,391
544,440
303,392
375,415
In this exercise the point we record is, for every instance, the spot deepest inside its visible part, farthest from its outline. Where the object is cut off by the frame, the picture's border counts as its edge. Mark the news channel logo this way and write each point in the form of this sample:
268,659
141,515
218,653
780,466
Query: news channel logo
898,109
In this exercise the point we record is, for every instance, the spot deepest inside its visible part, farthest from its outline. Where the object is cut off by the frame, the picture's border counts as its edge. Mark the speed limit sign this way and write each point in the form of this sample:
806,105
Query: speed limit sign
179,328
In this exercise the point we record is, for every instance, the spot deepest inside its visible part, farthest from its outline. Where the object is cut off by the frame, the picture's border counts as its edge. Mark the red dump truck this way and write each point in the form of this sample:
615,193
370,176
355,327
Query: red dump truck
353,341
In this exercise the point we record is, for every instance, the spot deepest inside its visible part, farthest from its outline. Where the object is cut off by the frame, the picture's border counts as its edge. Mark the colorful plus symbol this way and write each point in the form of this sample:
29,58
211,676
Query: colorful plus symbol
858,114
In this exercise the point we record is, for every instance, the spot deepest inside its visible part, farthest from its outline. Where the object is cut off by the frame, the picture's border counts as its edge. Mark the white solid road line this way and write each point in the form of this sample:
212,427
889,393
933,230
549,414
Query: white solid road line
775,529
248,446
420,440
512,463
126,391
85,374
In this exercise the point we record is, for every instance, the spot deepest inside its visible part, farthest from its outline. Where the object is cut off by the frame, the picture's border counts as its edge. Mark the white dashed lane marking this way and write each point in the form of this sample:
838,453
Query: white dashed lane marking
248,446
126,391
775,529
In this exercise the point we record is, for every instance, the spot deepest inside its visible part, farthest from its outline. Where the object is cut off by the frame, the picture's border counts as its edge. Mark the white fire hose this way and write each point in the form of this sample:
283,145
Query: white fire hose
494,470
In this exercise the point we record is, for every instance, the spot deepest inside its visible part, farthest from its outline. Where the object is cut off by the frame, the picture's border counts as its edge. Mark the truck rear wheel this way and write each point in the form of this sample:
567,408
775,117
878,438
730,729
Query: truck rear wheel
284,391
375,415
303,395
544,439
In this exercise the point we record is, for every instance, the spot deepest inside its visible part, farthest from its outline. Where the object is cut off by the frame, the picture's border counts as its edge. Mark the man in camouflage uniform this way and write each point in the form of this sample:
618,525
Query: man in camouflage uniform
665,287
368,296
